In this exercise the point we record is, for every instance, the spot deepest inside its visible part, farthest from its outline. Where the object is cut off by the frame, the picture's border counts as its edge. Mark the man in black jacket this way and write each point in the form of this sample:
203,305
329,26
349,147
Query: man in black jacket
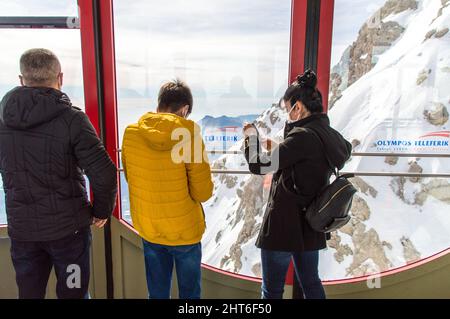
46,145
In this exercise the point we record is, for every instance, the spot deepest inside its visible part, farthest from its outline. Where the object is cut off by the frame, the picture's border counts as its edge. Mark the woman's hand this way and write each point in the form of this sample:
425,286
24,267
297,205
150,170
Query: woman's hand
249,130
269,144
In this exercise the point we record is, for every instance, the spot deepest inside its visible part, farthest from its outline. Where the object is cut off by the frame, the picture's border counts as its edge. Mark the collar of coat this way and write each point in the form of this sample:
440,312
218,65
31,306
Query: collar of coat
309,120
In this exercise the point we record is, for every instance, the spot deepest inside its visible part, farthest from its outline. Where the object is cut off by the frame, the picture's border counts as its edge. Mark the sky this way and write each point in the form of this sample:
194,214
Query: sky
233,53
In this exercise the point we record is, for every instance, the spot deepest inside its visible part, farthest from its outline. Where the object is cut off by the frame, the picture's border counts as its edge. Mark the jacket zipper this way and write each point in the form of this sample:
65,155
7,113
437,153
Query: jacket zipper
334,196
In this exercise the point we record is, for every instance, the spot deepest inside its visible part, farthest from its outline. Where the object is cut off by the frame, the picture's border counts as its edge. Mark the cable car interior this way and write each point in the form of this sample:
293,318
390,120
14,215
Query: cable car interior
383,68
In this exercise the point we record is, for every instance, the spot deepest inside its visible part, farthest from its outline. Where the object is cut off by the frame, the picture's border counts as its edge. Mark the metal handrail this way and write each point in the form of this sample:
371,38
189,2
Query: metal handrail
356,174
356,154
440,155
401,155
225,152
39,22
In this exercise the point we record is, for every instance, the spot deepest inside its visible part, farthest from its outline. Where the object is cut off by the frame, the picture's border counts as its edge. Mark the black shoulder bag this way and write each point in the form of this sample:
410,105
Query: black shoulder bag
329,210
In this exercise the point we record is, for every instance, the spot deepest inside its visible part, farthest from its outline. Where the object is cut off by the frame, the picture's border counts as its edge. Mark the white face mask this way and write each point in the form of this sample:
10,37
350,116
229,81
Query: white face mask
290,120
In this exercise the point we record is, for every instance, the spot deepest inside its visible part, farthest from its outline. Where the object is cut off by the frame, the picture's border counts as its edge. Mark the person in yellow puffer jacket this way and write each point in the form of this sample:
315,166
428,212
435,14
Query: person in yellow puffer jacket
169,176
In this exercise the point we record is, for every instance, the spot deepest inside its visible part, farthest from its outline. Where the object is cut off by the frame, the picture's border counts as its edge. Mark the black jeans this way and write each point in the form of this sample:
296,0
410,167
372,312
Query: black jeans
33,262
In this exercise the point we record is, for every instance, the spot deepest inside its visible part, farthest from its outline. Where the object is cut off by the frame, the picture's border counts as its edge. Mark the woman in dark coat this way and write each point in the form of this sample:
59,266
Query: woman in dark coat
285,234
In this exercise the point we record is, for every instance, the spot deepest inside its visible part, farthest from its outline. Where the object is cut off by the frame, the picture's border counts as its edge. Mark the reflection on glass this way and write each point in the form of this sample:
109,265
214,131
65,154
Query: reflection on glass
236,63
125,199
39,8
389,94
65,44
237,66
234,218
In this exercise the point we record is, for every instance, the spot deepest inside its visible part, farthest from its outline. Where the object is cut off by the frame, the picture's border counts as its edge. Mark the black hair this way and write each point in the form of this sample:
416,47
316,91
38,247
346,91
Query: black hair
173,96
304,89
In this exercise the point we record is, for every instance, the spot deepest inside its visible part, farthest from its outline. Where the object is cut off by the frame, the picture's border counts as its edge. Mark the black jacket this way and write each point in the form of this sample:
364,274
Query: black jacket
45,144
284,227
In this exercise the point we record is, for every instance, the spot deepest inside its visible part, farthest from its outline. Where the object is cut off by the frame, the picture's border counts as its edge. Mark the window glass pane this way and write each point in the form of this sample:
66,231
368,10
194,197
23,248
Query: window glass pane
65,44
389,93
39,8
236,63
235,56
125,199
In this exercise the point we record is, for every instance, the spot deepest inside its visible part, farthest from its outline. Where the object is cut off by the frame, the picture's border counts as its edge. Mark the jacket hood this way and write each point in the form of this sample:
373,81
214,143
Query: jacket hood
157,129
25,107
337,148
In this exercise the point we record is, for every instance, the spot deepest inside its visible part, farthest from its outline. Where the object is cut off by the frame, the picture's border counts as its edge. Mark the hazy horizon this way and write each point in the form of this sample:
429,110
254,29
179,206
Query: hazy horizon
236,62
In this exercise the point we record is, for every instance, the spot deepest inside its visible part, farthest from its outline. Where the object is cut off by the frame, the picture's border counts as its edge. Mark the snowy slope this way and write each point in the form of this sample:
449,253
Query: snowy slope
400,94
409,218
234,214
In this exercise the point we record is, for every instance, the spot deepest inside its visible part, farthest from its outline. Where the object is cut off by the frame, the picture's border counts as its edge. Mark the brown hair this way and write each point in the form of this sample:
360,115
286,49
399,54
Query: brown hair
173,96
39,67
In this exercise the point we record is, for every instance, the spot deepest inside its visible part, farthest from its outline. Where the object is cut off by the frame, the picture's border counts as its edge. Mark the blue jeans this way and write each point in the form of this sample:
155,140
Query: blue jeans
70,256
275,265
159,262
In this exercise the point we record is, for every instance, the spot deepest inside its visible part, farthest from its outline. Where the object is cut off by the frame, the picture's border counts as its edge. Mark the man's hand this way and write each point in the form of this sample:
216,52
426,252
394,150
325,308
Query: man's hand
100,223
249,130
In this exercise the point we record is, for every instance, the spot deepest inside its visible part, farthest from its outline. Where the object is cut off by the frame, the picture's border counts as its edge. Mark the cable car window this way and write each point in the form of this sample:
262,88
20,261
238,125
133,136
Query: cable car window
237,66
65,44
388,94
38,8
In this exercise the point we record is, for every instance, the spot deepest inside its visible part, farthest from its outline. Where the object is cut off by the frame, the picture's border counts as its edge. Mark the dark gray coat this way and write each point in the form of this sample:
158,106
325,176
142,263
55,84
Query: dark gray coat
284,227
45,144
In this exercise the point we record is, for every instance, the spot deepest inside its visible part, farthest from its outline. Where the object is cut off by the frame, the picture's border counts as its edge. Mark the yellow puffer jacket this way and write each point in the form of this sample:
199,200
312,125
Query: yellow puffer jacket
166,192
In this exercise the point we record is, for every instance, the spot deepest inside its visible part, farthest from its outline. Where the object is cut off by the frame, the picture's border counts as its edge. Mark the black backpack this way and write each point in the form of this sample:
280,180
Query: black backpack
329,210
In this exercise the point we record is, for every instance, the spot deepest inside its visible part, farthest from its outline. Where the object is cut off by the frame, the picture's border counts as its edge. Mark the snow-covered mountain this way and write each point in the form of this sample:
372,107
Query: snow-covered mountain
389,93
209,122
234,214
220,133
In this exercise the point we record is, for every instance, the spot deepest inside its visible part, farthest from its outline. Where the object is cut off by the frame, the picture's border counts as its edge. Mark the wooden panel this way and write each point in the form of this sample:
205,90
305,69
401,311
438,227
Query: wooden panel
431,280
133,271
129,272
8,288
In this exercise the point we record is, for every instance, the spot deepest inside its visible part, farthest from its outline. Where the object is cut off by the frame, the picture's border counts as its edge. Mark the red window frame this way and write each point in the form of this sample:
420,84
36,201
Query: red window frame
108,67
296,66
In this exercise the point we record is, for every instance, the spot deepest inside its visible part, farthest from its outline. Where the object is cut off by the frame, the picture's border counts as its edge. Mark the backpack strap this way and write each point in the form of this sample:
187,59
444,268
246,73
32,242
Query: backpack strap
329,162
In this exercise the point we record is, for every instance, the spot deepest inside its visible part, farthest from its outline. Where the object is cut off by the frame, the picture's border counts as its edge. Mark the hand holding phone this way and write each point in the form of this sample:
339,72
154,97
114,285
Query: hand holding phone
269,144
250,129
